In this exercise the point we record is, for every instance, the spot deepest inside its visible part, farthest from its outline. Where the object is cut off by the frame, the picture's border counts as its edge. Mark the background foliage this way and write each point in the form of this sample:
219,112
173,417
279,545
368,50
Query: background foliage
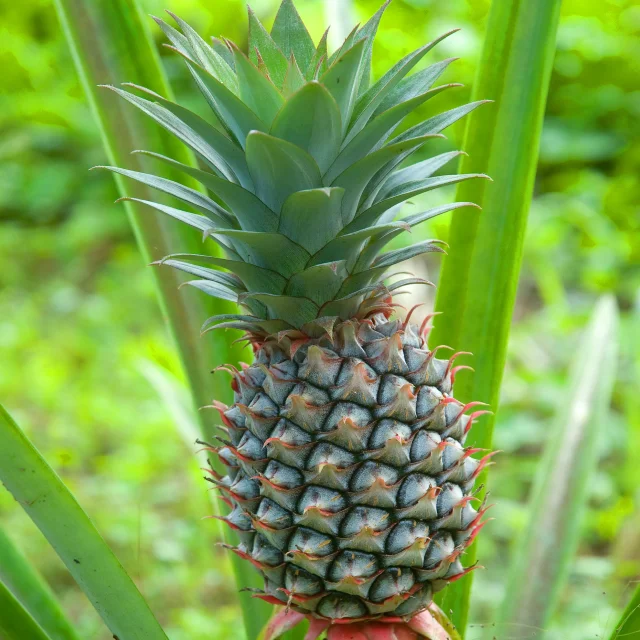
79,322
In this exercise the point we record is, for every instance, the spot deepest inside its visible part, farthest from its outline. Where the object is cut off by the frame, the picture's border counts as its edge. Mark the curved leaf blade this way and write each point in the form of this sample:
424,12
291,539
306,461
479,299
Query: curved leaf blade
16,622
54,510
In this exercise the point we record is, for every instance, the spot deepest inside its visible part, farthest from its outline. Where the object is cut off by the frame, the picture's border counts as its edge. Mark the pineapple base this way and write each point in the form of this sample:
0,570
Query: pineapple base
348,478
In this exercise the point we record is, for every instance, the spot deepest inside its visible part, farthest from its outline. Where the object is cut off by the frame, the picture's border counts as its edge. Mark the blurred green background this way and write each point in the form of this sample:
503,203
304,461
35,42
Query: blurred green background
80,327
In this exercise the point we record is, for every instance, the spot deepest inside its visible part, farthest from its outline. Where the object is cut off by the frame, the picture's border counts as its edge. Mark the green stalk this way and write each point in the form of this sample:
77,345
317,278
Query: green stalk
542,559
629,624
15,621
111,43
480,275
55,511
27,586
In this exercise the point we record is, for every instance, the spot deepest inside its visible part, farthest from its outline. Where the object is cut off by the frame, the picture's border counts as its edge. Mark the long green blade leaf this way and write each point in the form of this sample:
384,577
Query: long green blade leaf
542,559
32,592
54,510
111,43
480,275
629,624
15,621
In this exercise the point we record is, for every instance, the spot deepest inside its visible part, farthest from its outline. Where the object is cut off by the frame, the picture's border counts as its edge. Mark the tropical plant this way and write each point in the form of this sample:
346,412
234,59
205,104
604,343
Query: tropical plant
343,456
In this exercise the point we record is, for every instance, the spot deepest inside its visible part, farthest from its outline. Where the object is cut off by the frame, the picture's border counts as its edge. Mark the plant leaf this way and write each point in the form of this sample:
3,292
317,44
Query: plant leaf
400,255
549,541
16,622
312,218
297,311
279,168
320,282
374,135
260,41
54,510
290,34
310,119
480,275
32,592
368,32
341,79
234,112
256,90
368,103
629,623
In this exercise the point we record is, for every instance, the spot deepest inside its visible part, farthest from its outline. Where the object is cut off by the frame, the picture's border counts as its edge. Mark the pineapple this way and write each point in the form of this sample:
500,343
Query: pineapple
349,483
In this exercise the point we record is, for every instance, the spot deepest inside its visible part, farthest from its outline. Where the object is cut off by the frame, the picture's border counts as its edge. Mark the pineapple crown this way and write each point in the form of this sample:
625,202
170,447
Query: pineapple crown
302,179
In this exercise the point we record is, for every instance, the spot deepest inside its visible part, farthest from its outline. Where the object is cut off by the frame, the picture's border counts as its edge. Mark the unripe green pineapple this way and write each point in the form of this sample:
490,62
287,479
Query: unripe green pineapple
347,474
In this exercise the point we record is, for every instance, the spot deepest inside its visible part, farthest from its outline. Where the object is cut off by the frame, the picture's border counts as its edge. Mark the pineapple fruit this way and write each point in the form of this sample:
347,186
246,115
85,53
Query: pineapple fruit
348,480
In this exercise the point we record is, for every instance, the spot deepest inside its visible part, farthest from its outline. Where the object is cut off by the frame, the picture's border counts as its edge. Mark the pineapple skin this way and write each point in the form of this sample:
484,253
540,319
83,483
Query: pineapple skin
347,473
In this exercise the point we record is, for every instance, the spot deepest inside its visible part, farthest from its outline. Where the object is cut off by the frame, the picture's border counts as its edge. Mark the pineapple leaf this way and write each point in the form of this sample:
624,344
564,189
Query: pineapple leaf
414,85
373,136
310,119
402,194
368,103
312,218
183,132
256,91
16,623
294,79
355,179
66,526
214,289
348,245
233,111
349,41
368,33
260,42
318,63
629,623
400,255
206,56
376,243
230,152
32,592
226,279
279,168
269,250
203,223
291,35
402,179
250,211
341,79
197,200
320,282
441,121
297,310
253,277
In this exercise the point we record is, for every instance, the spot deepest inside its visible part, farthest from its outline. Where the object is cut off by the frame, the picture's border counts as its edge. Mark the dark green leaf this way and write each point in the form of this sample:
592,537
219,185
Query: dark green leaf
374,135
356,178
256,90
318,63
226,279
368,103
260,41
342,78
214,289
297,311
320,282
310,119
440,122
212,210
400,255
206,56
294,79
291,35
414,85
368,32
279,168
269,250
312,218
232,111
